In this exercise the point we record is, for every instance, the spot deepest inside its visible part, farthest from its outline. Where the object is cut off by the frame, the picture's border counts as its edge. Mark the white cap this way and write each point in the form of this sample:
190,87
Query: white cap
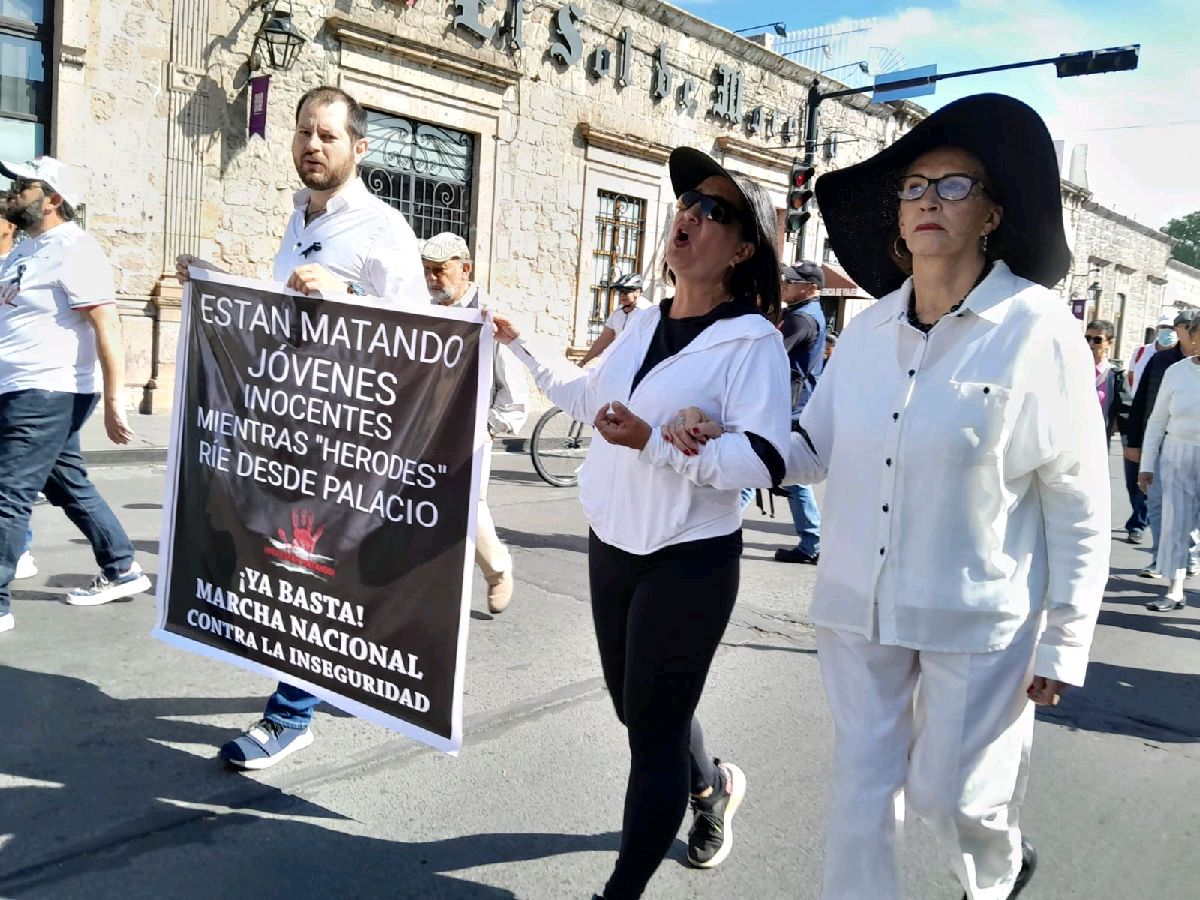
444,246
1166,320
63,179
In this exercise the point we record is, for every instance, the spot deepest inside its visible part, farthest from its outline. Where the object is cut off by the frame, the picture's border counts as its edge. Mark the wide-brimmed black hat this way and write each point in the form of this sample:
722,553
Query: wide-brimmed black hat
690,166
860,207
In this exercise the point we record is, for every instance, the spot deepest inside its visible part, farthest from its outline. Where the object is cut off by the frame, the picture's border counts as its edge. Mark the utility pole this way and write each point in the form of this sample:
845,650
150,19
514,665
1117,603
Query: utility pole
1069,65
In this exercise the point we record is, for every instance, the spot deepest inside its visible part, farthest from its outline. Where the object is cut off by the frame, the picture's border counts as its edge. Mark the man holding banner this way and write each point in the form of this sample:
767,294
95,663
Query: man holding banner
340,239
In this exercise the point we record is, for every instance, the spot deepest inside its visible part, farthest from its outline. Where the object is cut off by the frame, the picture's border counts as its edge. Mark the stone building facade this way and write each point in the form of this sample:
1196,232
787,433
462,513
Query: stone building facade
537,129
1183,286
1118,270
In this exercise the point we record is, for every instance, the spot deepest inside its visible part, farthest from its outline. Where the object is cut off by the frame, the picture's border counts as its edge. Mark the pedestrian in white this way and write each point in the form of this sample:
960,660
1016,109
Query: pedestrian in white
448,269
341,239
1173,442
629,301
967,512
60,353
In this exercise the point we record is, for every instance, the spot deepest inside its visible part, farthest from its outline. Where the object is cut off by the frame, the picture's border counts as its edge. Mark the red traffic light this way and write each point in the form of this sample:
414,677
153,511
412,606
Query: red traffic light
801,175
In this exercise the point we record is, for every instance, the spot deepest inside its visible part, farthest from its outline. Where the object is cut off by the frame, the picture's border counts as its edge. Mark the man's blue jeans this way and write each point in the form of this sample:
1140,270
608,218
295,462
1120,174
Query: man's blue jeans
806,518
291,707
1139,518
39,450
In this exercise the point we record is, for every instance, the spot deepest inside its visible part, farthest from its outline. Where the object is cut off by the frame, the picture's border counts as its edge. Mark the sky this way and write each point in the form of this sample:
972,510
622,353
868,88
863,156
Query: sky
1142,127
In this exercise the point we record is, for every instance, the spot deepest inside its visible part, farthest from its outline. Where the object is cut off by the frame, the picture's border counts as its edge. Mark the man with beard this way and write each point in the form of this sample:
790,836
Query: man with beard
340,239
59,331
447,262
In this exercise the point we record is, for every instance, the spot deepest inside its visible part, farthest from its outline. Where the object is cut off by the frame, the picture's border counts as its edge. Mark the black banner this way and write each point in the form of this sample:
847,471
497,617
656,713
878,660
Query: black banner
320,512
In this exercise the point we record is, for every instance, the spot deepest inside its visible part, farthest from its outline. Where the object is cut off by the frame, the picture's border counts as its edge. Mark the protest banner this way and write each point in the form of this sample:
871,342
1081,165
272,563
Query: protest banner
321,497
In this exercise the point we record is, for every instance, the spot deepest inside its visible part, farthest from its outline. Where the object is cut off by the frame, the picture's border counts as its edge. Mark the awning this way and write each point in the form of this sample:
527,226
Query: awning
838,284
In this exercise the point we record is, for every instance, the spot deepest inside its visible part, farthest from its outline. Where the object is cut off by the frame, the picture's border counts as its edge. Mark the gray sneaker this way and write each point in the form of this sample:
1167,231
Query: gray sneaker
101,590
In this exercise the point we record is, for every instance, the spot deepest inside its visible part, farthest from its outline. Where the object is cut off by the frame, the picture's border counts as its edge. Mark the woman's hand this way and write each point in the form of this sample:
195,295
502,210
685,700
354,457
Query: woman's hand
691,430
1045,691
1145,479
618,425
506,332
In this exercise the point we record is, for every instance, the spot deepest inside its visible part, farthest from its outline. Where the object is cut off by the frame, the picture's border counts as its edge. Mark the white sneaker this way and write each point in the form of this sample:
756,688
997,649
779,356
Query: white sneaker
101,590
7,623
26,567
1150,572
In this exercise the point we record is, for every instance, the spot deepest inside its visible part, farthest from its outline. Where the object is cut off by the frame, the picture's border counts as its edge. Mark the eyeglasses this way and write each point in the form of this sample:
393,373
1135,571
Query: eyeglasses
20,185
954,186
1096,339
717,209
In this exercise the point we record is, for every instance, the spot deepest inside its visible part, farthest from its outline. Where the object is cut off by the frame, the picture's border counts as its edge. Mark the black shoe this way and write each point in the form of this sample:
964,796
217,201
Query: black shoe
1136,535
796,555
711,837
1029,861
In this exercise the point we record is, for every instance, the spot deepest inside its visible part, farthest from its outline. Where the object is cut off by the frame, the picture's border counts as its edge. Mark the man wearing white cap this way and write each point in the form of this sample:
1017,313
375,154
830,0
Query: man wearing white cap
59,332
447,262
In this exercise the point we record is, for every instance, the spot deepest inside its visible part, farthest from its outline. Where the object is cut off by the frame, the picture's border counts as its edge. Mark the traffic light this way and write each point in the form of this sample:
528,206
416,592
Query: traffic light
799,195
1096,62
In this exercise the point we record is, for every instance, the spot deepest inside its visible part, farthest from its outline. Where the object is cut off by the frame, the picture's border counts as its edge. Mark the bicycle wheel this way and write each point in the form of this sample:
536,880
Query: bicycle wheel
558,446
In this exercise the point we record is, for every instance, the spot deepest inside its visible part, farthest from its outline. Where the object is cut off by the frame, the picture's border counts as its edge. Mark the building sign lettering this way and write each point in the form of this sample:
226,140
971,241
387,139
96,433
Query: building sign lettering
569,47
468,15
666,83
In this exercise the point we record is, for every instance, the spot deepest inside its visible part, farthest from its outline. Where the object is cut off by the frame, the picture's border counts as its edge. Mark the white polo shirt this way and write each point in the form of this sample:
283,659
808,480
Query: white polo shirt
618,318
361,239
46,343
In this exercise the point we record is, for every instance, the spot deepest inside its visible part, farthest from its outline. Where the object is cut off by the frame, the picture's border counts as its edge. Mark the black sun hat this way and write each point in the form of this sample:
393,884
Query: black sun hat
690,166
860,209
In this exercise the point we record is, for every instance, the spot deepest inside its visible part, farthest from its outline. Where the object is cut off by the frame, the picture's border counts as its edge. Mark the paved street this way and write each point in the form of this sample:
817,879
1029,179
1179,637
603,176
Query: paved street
109,787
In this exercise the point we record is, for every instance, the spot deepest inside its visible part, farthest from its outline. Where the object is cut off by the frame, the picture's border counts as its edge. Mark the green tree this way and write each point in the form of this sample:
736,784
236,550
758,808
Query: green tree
1187,232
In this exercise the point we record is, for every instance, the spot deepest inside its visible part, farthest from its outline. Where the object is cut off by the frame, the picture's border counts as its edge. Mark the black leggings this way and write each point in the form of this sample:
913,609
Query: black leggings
659,619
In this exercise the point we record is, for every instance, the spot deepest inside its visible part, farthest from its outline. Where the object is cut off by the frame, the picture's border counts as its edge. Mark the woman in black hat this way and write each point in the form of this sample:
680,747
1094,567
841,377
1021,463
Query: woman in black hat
967,510
666,535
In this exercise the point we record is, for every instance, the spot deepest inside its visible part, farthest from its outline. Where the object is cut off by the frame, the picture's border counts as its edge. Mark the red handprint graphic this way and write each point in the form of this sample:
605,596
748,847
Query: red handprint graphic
303,536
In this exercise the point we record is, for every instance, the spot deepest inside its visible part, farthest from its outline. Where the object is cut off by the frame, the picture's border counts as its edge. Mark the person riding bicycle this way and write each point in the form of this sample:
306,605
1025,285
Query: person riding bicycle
629,301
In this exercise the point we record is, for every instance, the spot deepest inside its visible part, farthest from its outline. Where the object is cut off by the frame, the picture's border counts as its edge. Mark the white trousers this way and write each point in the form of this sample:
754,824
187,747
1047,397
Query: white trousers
945,734
1179,469
491,555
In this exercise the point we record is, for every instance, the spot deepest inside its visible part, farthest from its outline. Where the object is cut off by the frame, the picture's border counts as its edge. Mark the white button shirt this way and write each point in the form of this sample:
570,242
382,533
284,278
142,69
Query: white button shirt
968,486
361,239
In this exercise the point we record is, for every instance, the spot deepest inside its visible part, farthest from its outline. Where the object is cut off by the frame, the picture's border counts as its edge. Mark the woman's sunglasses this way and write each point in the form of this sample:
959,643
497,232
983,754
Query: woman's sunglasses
717,209
955,186
1095,339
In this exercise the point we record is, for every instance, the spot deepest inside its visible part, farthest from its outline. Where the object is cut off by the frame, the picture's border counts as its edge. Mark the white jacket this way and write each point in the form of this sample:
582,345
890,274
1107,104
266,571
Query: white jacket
736,371
968,483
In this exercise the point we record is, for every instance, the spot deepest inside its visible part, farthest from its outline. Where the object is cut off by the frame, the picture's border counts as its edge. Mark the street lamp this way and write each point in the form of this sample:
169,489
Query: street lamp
780,28
279,33
1068,65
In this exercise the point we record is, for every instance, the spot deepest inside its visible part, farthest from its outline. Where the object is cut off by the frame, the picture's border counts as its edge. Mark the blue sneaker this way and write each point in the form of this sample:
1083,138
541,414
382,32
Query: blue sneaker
263,744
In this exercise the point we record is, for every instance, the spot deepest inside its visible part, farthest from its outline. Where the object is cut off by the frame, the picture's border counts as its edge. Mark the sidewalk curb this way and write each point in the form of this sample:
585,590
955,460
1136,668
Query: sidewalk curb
127,456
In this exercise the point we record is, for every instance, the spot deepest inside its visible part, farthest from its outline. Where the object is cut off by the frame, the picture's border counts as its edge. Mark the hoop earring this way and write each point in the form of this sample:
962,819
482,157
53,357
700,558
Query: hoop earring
896,248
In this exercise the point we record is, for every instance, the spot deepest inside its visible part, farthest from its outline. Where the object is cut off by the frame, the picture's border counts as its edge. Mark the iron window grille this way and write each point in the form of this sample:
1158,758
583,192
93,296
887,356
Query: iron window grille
425,171
620,238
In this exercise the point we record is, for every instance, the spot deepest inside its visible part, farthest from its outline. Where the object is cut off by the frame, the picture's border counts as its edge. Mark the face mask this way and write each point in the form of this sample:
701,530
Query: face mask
1167,337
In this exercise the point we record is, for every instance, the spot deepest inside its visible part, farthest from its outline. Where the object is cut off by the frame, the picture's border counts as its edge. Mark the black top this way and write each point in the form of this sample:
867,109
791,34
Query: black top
1147,393
673,335
798,328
